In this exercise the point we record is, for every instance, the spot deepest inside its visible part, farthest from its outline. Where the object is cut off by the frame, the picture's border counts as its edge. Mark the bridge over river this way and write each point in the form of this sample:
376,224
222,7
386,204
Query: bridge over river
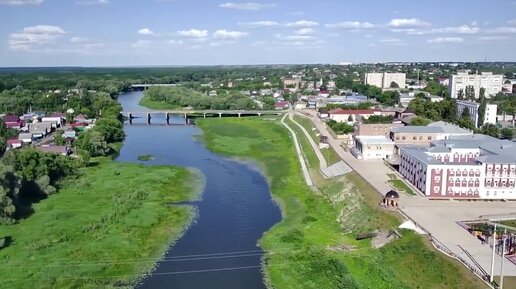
197,113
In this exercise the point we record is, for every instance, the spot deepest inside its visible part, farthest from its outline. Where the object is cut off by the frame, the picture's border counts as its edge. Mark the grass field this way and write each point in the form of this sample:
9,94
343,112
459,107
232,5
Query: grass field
147,102
298,248
308,125
400,185
102,229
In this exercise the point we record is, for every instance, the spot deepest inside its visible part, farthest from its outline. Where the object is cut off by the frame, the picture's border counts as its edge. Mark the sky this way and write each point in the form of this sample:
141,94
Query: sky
211,32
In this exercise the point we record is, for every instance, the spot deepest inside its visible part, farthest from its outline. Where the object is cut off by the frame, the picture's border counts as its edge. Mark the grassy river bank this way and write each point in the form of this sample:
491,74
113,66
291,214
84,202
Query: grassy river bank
103,228
314,245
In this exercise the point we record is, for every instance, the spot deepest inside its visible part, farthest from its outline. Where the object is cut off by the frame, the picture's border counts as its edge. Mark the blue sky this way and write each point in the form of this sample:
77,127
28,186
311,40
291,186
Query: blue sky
210,32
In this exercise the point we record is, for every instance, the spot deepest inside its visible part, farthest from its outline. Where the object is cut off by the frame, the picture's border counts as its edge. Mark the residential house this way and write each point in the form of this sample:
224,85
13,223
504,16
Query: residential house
60,150
26,137
351,115
54,118
376,129
70,135
13,143
13,121
281,105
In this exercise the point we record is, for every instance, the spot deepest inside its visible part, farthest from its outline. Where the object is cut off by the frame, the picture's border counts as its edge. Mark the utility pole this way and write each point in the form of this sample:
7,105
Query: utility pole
491,277
503,258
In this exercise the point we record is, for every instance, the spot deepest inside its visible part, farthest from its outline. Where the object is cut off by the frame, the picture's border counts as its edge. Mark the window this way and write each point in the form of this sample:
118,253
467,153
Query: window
429,138
414,138
403,138
420,138
437,178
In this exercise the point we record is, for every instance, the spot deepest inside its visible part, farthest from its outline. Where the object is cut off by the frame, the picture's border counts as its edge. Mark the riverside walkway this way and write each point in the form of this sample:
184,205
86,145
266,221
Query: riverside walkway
304,168
338,169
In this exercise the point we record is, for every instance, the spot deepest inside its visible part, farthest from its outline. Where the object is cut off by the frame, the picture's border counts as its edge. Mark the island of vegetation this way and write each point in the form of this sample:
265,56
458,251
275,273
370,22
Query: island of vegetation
146,157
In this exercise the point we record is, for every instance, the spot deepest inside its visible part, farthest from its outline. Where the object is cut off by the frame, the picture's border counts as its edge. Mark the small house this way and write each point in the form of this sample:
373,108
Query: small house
70,134
14,143
60,150
25,137
281,105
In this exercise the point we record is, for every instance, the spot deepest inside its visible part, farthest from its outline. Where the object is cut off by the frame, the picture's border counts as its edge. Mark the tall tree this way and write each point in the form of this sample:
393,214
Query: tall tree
482,107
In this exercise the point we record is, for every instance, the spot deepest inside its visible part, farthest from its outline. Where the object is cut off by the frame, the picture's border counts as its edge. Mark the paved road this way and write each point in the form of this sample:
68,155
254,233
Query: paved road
304,168
439,218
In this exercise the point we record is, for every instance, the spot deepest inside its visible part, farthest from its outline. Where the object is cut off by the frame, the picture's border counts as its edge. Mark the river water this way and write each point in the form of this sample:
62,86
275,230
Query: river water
220,249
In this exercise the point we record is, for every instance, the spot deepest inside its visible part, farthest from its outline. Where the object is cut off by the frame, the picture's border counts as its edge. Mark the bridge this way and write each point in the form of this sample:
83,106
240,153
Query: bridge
204,113
145,86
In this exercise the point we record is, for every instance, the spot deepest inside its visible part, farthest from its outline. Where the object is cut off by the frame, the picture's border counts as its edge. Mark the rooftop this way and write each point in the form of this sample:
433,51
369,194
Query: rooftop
374,140
435,127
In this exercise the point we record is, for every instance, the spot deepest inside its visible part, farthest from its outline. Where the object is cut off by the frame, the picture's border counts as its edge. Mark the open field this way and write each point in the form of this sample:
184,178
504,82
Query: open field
102,229
400,185
301,249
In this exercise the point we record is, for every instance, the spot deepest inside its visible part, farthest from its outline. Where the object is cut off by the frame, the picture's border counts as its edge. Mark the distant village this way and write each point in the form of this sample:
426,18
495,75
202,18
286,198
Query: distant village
39,130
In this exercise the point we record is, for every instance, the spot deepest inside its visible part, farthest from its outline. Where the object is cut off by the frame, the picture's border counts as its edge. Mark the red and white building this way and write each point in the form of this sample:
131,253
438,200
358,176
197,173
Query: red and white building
462,167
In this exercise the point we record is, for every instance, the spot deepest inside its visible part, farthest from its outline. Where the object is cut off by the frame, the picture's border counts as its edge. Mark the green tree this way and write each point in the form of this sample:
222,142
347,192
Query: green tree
394,85
460,94
491,130
482,106
94,143
507,133
420,121
465,113
111,129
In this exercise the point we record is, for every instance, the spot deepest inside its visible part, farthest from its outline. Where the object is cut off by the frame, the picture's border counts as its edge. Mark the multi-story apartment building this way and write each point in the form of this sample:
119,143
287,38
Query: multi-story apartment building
489,115
384,80
463,81
462,167
351,115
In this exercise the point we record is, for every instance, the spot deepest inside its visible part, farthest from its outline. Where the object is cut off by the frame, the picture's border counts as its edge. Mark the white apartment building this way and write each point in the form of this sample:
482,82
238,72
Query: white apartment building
384,80
491,82
372,147
465,167
489,115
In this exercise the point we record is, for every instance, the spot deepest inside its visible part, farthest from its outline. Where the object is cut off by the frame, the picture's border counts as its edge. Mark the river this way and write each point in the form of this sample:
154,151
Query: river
220,249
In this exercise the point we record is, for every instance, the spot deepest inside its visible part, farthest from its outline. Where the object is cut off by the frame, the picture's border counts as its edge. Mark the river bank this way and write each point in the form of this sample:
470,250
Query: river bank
300,249
104,228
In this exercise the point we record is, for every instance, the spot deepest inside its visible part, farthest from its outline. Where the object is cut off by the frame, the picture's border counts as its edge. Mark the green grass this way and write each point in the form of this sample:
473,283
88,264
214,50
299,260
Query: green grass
331,156
400,185
146,157
308,125
114,219
149,103
297,247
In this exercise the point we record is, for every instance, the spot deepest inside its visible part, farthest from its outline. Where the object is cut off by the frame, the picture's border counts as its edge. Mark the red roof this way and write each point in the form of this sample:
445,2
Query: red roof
13,141
281,104
352,111
11,118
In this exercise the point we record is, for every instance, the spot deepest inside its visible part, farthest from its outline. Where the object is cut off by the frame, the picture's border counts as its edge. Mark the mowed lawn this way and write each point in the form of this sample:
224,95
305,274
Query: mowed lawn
102,229
300,249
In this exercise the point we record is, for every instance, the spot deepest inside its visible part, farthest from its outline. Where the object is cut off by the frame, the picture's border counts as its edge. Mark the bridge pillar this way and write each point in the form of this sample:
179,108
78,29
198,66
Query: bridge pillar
149,118
186,118
204,115
220,114
239,114
259,114
130,116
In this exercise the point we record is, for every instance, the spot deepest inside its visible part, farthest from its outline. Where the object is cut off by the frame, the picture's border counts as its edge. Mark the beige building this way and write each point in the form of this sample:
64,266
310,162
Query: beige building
384,80
376,129
294,82
423,135
492,83
372,147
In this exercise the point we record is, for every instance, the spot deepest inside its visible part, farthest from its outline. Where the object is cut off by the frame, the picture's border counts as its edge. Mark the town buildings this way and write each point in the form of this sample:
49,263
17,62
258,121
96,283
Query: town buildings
424,135
461,82
351,115
372,147
489,115
384,80
376,129
462,167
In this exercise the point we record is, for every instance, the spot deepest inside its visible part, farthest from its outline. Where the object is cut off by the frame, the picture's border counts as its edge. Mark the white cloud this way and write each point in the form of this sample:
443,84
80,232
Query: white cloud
259,24
246,6
20,2
463,29
512,22
502,30
193,33
493,38
302,23
175,42
224,34
404,23
439,40
304,31
299,37
80,40
393,42
145,31
92,2
142,44
35,37
350,25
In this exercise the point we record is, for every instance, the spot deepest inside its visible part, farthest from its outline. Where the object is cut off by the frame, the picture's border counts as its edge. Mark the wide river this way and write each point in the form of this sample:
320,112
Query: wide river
220,250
